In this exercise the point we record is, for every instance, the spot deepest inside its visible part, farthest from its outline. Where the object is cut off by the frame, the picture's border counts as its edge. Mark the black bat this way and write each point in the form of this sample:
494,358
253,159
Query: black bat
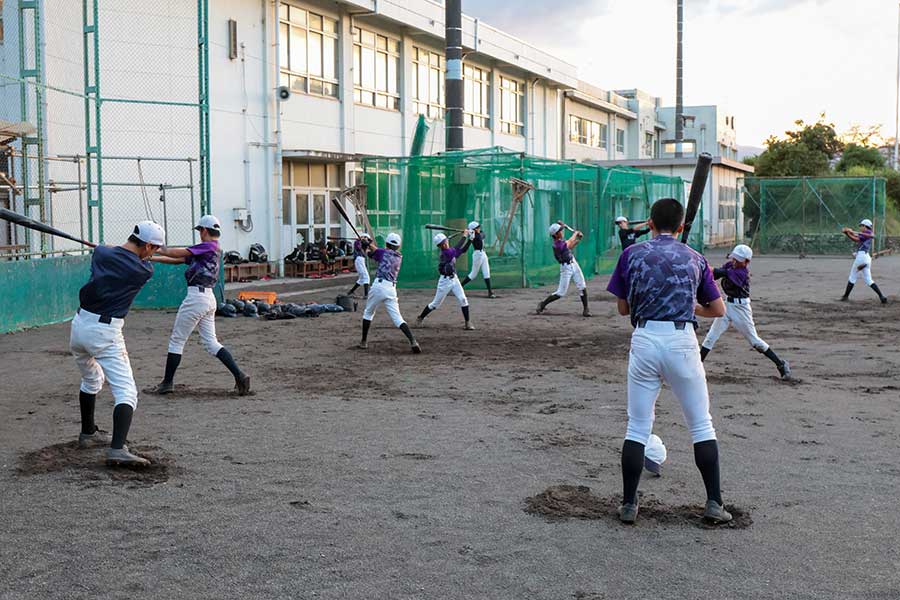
343,214
698,185
441,228
30,223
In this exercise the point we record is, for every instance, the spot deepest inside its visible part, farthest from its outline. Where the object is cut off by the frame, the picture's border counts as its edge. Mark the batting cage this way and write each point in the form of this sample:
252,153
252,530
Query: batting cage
805,215
515,197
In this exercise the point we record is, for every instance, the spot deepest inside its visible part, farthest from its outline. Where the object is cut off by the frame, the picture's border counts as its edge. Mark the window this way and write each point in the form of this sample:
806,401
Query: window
588,133
428,83
649,145
478,93
727,203
620,141
376,69
512,106
309,51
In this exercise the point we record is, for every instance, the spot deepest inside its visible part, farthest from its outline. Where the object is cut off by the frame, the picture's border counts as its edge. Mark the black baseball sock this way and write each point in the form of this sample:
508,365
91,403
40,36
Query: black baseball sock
425,312
874,287
465,312
487,282
848,290
770,354
172,362
122,414
225,356
584,299
408,333
632,465
366,325
87,402
353,289
465,281
366,290
706,456
548,300
703,352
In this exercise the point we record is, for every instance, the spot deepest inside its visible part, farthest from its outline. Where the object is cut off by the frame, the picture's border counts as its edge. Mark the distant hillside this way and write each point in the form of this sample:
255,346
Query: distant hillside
745,151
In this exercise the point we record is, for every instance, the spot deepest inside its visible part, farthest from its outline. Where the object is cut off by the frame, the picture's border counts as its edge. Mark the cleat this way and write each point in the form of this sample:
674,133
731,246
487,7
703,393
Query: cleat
883,300
586,313
121,457
628,513
469,327
242,385
163,388
540,308
715,513
785,370
492,296
419,321
98,439
416,348
363,345
844,298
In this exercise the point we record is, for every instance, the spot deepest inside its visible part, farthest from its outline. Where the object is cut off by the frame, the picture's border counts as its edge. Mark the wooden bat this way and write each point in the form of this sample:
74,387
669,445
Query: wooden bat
884,252
441,228
343,214
698,185
30,223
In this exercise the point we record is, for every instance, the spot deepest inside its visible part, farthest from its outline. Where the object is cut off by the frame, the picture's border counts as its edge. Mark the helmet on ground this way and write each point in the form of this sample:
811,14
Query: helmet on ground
742,252
554,229
439,239
238,305
229,311
393,239
250,310
866,223
474,225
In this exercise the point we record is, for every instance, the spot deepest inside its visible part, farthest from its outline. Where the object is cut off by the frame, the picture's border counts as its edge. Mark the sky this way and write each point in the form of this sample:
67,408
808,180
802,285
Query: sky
767,62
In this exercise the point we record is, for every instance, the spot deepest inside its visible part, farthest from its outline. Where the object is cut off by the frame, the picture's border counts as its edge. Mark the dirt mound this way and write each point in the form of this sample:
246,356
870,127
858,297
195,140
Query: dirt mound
561,502
89,465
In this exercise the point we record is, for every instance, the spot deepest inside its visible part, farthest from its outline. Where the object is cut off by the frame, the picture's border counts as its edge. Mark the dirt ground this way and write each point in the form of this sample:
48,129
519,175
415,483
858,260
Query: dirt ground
485,468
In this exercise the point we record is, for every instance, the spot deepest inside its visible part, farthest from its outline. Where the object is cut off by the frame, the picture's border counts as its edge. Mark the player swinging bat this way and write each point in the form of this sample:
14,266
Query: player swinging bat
568,267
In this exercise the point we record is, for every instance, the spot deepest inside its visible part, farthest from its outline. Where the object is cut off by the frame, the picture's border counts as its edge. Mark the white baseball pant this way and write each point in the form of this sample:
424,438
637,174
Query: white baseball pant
569,272
100,353
662,353
198,309
449,285
740,315
362,269
481,263
865,261
383,292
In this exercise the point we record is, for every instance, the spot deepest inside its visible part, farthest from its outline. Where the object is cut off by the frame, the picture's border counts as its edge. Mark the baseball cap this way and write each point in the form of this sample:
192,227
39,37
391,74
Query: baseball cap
365,236
621,220
554,229
866,223
742,252
439,239
474,225
150,233
209,222
393,239
654,454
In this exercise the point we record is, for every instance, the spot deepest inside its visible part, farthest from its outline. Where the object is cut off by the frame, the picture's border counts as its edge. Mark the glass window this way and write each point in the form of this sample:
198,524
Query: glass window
620,141
309,52
302,204
477,95
589,133
512,106
376,70
319,209
286,205
428,83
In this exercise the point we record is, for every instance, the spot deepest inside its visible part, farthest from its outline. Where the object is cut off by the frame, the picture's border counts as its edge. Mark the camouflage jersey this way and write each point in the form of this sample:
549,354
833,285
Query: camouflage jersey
389,262
662,279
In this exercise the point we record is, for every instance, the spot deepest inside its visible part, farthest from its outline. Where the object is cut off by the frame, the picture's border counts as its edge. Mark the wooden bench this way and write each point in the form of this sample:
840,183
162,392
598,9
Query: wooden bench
246,271
303,269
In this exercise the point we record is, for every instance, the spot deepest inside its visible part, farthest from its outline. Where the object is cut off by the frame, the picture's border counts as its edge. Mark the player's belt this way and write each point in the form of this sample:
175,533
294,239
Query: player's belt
679,325
381,280
200,288
737,300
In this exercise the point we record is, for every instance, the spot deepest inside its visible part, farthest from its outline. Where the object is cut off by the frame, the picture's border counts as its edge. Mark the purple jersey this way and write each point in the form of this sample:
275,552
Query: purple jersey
389,262
661,279
865,241
562,252
203,264
735,280
359,249
447,262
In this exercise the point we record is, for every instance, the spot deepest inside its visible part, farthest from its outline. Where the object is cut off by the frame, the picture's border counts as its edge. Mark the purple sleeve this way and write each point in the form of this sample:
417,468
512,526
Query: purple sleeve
203,248
707,291
377,255
618,282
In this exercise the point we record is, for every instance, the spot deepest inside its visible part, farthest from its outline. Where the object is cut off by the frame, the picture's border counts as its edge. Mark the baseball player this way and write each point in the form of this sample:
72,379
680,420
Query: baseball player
362,266
735,276
479,258
568,268
664,285
117,275
449,282
384,290
863,261
198,309
628,235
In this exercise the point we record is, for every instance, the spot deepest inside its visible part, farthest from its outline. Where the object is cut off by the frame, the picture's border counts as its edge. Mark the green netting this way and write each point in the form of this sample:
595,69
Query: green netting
453,188
804,215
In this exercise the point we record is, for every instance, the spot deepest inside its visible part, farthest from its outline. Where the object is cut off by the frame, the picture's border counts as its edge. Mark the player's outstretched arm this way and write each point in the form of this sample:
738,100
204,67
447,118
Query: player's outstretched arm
167,260
574,240
713,310
181,253
850,234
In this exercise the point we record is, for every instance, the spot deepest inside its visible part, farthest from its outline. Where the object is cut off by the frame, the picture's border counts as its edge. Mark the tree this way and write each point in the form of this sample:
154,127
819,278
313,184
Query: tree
856,155
806,151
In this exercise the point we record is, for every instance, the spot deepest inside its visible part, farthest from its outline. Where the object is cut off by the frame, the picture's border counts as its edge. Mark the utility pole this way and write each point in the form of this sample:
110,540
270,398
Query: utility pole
454,78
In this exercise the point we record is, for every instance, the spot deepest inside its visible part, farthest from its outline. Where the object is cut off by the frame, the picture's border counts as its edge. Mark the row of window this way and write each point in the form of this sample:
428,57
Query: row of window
309,65
590,133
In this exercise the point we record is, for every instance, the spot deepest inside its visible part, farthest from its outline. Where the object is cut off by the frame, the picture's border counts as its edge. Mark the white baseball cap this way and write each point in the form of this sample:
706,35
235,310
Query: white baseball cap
393,239
474,225
621,220
742,252
209,222
866,223
150,233
365,236
554,229
439,239
655,454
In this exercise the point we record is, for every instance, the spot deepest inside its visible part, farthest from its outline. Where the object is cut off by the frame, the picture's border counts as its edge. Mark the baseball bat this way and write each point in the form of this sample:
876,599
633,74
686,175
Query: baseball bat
343,214
568,227
30,223
698,185
441,228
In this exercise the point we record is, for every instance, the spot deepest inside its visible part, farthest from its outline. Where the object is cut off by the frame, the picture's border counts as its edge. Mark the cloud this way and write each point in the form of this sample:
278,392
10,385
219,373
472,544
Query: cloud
541,17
